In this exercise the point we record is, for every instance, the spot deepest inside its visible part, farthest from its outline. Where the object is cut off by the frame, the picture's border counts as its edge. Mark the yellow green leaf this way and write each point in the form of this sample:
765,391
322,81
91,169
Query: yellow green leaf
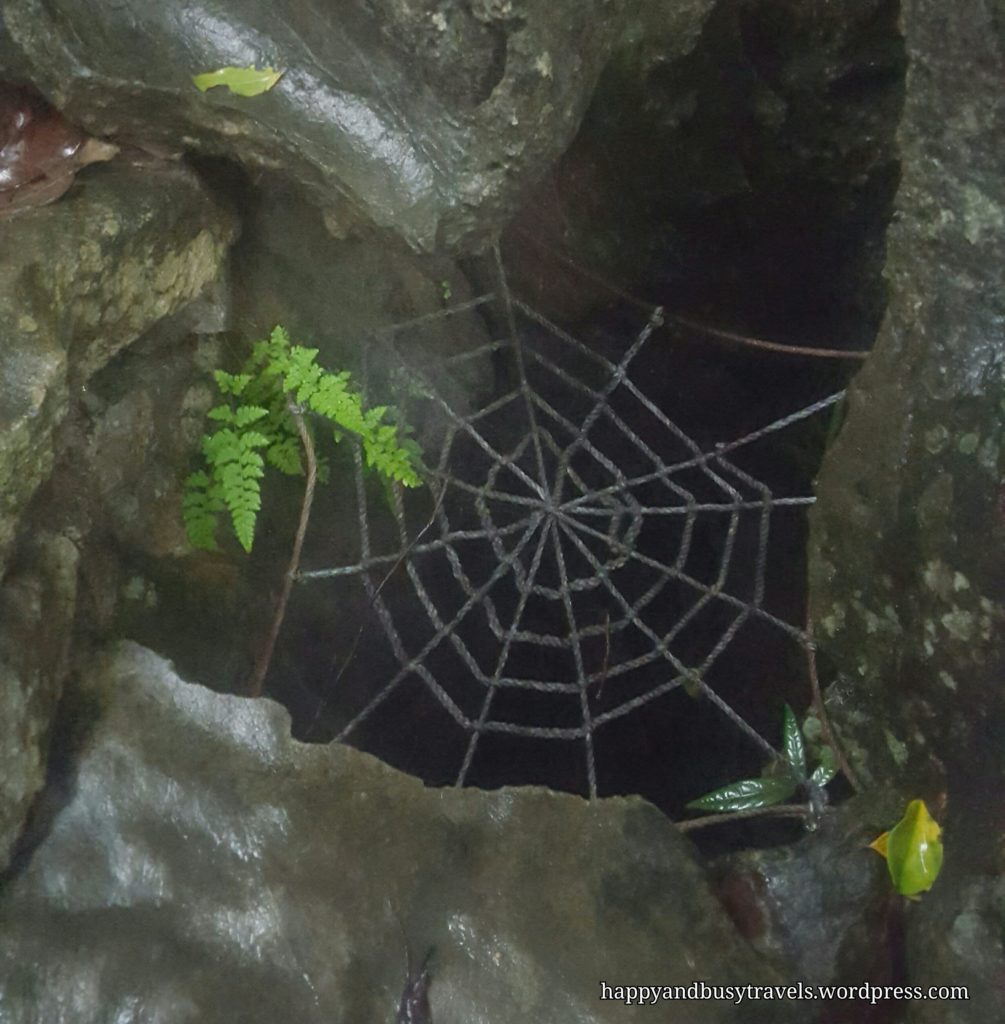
879,844
242,81
913,850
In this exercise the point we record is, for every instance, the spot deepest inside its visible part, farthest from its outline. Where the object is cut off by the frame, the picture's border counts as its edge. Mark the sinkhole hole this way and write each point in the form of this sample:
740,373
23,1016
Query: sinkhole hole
601,586
590,592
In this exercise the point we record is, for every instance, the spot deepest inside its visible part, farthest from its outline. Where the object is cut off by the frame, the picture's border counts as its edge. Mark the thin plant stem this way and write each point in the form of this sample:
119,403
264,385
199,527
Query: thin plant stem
741,339
777,811
829,735
264,658
768,346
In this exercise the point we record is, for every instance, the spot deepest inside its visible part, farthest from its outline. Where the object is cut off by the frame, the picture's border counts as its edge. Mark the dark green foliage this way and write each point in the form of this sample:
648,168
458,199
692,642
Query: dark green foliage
779,783
258,416
746,795
793,748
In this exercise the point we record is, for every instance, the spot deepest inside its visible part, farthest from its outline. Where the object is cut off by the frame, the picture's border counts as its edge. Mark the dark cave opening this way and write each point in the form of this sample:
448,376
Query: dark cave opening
772,227
687,592
730,219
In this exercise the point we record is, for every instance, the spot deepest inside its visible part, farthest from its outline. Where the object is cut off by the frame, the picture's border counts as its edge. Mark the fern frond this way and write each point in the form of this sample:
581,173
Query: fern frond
242,494
303,375
231,383
248,414
221,413
389,458
235,469
201,507
257,416
284,455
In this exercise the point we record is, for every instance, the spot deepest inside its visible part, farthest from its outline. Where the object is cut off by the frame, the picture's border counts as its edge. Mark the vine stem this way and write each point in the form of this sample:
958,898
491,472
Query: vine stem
264,659
776,811
769,346
696,325
818,703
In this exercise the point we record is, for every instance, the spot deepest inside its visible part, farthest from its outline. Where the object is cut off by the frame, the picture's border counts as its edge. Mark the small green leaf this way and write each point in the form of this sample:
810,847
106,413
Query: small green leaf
252,439
247,414
248,81
746,795
231,383
913,850
285,456
201,506
792,744
197,480
826,769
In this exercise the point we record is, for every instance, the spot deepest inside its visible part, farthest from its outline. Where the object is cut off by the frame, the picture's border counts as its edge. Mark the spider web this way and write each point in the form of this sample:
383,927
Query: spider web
576,555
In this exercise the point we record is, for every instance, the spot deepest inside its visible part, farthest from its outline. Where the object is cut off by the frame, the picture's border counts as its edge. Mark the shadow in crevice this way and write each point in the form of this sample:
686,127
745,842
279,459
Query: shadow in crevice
72,726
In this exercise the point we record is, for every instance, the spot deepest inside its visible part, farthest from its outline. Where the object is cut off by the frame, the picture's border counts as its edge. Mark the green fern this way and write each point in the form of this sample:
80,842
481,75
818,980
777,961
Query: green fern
256,427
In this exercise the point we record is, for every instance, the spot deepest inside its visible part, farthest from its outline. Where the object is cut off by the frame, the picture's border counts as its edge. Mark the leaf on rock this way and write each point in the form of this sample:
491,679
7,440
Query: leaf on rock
913,850
240,81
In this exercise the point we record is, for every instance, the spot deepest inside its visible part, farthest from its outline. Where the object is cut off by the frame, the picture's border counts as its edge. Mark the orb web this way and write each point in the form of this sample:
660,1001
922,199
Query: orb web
575,555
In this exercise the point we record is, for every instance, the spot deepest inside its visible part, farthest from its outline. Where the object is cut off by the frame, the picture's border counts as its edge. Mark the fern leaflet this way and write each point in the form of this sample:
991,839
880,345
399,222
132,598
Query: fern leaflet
257,417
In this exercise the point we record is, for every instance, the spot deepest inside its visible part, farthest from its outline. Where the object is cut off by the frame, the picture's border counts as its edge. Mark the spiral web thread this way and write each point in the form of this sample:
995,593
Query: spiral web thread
558,555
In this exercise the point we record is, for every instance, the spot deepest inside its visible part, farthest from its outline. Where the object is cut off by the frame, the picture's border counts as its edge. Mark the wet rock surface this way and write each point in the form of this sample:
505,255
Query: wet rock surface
909,541
908,548
189,861
820,906
37,608
124,251
425,120
202,864
80,281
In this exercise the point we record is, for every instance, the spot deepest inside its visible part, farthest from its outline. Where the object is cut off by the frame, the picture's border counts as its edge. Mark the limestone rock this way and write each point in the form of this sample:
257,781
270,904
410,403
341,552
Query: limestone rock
80,280
123,251
428,120
908,545
908,536
37,604
820,905
205,865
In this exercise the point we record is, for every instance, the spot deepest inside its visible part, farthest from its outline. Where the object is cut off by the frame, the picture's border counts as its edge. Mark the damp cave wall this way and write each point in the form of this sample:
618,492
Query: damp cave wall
744,182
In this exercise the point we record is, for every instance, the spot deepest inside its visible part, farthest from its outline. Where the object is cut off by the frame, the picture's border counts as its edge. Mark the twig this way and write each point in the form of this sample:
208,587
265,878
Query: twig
769,346
715,332
264,658
777,811
818,703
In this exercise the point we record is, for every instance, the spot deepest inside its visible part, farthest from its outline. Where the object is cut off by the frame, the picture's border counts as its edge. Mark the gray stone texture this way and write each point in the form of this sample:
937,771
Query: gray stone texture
78,282
125,250
37,606
203,866
428,119
908,546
